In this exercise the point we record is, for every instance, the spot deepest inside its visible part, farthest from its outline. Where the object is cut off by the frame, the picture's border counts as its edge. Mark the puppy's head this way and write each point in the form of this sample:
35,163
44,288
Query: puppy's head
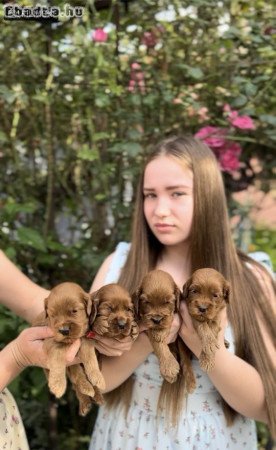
156,300
112,311
67,310
206,292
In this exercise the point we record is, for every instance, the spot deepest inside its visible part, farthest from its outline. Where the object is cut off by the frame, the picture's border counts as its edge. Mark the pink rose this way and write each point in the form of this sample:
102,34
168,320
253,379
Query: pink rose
212,136
228,159
242,122
99,35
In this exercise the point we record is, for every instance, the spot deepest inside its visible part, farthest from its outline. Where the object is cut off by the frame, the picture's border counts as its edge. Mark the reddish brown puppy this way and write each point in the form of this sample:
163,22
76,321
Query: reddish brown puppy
206,293
156,300
67,311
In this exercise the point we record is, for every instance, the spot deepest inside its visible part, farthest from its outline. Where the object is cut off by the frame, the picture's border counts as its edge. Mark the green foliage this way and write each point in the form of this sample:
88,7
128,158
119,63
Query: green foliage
73,137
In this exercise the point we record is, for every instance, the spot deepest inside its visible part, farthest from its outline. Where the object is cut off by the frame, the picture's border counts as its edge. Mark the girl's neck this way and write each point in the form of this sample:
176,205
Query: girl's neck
176,261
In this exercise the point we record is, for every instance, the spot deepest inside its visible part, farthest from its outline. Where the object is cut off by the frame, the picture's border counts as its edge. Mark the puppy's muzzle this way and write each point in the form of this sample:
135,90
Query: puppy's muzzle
64,330
156,319
121,323
202,308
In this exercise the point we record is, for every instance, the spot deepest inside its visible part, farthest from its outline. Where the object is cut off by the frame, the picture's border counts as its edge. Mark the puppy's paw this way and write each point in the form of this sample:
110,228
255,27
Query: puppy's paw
57,386
206,362
98,397
96,379
85,406
170,369
134,331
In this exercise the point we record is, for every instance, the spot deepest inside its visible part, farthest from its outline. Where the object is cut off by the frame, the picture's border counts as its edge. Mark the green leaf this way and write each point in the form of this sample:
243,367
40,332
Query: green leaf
241,100
268,118
88,154
195,72
30,237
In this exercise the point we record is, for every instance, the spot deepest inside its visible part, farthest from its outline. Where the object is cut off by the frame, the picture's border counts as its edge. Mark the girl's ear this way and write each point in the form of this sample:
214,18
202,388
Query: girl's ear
177,294
136,301
185,291
226,291
95,300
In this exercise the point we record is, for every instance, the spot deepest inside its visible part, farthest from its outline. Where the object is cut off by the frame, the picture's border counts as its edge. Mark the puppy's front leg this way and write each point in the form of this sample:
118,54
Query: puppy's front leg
209,345
57,366
169,366
88,358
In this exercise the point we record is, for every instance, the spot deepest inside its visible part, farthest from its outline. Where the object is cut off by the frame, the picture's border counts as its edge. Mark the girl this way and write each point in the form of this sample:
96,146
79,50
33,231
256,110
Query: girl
180,224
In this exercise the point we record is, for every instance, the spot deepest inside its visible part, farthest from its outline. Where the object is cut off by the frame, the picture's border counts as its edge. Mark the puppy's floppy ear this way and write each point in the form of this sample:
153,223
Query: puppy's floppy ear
88,303
95,300
226,291
186,286
135,297
177,294
46,307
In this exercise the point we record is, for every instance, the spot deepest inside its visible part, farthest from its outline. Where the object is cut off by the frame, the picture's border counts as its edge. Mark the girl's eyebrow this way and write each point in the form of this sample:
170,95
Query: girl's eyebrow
169,188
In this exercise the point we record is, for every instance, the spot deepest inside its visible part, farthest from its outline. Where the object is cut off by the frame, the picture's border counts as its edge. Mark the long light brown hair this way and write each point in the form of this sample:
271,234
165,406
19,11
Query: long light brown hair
211,245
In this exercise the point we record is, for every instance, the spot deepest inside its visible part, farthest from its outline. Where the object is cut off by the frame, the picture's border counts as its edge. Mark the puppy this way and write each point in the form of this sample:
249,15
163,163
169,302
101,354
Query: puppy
113,313
156,301
206,293
67,311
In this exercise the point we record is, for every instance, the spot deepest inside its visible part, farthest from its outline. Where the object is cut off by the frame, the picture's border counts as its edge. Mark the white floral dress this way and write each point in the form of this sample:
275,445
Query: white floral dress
201,425
12,432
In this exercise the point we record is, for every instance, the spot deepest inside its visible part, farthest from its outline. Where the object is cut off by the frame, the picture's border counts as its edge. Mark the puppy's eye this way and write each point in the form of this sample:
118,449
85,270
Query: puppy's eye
216,295
73,311
193,291
130,309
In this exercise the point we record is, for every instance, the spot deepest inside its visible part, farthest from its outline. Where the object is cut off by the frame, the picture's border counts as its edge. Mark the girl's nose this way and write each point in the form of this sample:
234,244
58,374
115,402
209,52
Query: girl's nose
162,208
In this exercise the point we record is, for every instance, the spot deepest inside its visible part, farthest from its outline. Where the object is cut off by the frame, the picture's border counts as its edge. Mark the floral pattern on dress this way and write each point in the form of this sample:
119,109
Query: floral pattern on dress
12,432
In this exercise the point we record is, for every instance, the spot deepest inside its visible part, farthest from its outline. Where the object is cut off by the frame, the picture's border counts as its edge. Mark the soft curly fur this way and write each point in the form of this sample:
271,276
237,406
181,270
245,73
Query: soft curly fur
206,293
156,300
67,311
113,313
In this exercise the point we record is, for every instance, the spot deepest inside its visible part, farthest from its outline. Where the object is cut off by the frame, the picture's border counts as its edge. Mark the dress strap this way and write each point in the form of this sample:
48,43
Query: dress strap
117,263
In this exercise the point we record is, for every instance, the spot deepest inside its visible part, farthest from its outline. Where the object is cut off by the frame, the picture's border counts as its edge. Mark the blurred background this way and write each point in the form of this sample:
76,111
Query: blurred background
82,101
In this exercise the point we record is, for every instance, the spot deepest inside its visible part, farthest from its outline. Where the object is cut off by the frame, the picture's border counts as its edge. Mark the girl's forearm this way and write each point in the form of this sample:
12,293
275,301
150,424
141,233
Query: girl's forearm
239,384
116,369
9,367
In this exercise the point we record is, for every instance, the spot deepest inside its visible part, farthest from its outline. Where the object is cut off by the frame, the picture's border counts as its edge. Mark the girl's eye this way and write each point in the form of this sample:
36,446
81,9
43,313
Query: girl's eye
151,195
178,194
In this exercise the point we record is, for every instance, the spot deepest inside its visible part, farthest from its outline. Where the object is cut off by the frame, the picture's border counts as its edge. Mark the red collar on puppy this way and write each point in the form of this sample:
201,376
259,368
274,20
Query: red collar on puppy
90,334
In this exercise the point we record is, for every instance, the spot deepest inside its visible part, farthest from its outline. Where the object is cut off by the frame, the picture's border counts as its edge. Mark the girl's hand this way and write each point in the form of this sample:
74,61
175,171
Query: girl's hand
175,326
27,349
189,335
111,346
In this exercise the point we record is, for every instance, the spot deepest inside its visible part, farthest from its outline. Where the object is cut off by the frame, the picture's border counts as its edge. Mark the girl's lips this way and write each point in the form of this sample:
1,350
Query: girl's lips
163,226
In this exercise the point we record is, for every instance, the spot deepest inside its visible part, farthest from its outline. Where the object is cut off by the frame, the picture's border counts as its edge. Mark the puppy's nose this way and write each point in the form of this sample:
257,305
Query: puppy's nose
156,319
121,323
202,308
64,330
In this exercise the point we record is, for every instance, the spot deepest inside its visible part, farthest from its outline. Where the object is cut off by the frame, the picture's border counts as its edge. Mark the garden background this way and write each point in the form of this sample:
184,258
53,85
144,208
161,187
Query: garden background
81,103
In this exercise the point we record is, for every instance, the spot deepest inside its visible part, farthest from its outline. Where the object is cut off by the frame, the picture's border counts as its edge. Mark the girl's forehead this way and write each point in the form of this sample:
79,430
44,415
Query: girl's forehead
167,170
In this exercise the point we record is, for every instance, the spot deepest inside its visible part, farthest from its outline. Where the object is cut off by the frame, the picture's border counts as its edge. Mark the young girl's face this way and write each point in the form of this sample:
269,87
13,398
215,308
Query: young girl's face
168,200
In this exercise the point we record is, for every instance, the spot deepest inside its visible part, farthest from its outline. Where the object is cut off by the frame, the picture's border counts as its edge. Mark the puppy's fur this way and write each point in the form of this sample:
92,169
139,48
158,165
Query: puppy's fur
206,293
156,301
113,313
67,311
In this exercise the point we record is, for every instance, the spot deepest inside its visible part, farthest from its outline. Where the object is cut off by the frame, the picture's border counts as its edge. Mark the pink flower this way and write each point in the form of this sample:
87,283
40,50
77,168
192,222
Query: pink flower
99,35
242,122
135,66
229,157
149,39
212,136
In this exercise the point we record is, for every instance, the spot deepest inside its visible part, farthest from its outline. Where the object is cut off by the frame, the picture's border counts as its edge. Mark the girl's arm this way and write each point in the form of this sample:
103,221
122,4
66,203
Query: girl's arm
238,382
18,292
